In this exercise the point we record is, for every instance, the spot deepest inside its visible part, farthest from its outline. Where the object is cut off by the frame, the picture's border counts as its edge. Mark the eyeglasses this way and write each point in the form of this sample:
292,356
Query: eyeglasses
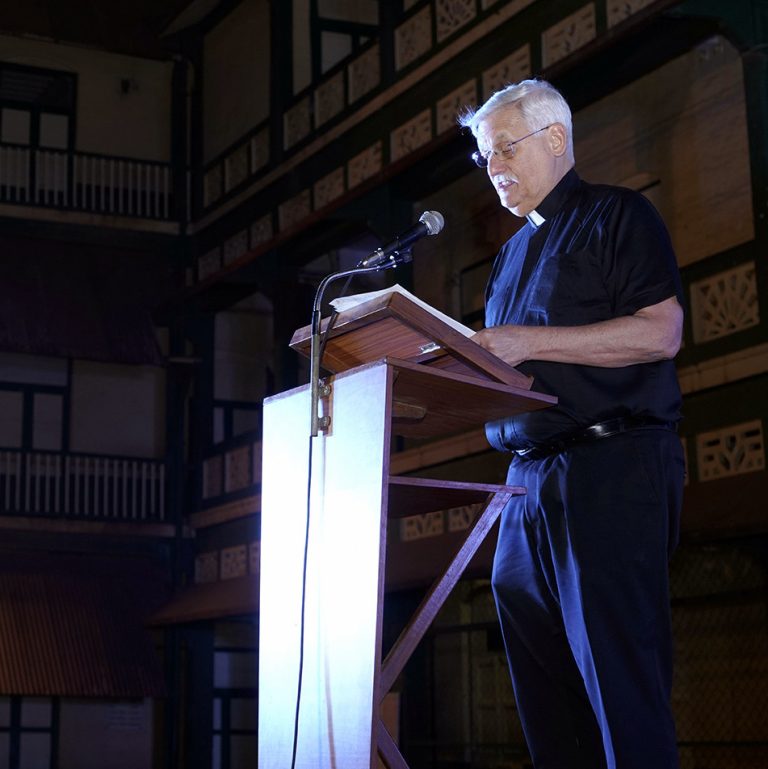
506,151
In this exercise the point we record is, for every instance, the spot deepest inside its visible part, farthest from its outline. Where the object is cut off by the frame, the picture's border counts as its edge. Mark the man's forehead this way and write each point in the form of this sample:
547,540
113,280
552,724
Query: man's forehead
502,122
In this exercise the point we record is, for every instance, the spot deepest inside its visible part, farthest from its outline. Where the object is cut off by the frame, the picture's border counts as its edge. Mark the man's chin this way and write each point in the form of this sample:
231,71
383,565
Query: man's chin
513,205
513,208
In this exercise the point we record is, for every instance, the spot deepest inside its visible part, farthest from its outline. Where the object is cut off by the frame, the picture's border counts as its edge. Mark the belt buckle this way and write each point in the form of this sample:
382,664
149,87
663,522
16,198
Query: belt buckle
539,452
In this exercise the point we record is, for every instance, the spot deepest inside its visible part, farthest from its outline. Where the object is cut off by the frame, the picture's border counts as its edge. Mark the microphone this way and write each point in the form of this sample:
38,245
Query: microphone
430,223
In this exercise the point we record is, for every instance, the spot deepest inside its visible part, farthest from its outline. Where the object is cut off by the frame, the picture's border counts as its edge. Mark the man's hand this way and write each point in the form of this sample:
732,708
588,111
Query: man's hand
505,342
652,333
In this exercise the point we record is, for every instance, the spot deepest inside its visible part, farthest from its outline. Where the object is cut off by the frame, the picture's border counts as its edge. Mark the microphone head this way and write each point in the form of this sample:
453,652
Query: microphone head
433,221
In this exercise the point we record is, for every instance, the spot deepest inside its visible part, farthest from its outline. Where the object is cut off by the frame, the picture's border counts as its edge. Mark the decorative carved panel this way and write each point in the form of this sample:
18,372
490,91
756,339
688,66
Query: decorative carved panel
512,69
725,303
206,567
235,246
422,526
413,38
364,165
209,263
731,451
364,73
259,150
261,230
234,562
329,188
452,105
296,123
294,210
236,168
452,15
212,185
411,135
568,35
237,474
461,518
329,99
619,10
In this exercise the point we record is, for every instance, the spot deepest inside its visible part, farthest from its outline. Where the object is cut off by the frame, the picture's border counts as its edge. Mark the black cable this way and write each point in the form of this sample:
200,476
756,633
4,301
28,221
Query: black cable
294,751
327,333
303,604
332,320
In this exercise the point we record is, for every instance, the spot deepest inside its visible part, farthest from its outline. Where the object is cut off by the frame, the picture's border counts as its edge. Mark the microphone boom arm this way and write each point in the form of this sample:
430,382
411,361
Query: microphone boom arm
391,255
317,422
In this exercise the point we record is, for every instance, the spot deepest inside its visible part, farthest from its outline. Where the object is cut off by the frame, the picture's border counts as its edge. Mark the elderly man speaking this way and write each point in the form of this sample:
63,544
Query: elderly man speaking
586,298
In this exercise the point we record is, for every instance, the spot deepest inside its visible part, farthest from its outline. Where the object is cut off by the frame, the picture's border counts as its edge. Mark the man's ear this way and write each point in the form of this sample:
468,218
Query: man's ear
558,139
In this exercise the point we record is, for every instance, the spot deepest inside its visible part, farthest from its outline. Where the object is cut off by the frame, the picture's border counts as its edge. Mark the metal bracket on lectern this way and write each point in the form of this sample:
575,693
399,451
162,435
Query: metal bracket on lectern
318,388
323,391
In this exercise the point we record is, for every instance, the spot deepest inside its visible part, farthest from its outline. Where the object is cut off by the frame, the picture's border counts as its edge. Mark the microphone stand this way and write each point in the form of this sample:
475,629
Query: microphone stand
318,388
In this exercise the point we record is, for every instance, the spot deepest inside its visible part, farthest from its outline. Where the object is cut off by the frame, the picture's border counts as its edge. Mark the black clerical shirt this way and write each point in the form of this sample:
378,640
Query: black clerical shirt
600,252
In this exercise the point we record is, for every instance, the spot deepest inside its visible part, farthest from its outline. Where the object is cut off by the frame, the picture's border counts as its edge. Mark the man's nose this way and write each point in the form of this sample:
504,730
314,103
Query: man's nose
495,163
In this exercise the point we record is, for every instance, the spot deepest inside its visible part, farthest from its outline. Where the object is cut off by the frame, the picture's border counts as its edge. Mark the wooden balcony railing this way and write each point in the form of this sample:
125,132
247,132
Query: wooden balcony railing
86,182
83,486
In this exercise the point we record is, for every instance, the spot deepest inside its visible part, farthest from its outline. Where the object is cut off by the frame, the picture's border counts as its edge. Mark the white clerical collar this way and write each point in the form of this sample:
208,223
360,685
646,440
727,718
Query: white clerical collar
535,218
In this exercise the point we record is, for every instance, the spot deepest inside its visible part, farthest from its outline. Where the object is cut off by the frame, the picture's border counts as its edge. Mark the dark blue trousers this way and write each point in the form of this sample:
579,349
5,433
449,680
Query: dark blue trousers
580,579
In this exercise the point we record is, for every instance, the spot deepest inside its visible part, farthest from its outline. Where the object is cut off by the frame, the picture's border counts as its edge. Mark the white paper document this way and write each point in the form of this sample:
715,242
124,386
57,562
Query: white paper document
347,302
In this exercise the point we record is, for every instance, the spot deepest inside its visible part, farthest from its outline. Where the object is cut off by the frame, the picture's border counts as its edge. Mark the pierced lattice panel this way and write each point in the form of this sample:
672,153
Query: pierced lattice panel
207,567
237,469
725,303
413,38
452,15
731,451
234,562
422,526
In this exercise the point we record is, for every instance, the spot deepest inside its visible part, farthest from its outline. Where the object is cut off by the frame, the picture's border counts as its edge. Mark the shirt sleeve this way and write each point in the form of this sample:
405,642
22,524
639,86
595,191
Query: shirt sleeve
639,268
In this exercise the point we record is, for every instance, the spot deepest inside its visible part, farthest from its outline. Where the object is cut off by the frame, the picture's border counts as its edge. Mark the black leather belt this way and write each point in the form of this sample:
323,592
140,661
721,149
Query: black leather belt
593,433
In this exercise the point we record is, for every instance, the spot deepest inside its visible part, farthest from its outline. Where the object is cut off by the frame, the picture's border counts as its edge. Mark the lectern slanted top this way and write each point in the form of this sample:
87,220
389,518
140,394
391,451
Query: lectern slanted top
393,326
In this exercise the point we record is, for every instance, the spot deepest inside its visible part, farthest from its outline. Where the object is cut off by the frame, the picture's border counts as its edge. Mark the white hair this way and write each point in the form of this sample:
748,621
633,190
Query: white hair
539,102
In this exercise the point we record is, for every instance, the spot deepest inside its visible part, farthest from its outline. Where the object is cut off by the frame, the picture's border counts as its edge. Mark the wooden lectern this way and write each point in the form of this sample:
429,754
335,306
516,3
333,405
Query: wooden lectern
397,370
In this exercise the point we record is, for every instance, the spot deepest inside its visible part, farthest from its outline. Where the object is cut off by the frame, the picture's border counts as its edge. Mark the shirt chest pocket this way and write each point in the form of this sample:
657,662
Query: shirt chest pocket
567,289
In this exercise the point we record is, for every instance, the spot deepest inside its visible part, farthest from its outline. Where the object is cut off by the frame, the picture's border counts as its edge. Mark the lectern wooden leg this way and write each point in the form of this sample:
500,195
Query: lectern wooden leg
388,750
438,593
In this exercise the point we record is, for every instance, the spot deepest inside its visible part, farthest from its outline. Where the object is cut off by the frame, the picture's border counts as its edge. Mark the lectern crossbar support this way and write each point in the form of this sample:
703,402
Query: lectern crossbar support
438,593
388,750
